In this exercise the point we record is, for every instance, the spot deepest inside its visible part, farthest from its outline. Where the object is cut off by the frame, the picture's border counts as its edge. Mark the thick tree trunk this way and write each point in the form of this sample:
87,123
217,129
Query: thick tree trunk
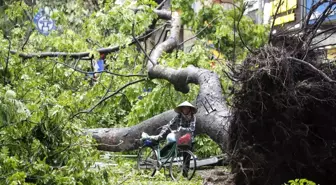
212,115
124,139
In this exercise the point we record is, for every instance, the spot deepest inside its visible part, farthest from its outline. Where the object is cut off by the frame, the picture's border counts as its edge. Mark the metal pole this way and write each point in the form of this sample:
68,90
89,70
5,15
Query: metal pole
260,12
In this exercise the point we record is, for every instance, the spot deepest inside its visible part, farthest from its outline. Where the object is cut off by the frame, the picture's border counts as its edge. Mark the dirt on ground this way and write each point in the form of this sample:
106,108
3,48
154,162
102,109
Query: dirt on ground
216,176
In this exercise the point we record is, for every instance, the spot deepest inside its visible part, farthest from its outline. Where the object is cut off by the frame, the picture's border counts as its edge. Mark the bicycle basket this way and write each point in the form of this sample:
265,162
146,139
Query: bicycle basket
184,140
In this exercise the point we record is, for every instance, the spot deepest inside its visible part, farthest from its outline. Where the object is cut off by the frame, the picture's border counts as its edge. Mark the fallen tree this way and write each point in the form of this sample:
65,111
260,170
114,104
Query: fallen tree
282,124
214,124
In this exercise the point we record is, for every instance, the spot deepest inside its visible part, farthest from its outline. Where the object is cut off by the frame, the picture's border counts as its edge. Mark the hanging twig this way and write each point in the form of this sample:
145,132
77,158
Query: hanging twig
273,22
239,33
7,59
139,45
109,96
234,36
29,32
163,31
198,32
146,35
109,88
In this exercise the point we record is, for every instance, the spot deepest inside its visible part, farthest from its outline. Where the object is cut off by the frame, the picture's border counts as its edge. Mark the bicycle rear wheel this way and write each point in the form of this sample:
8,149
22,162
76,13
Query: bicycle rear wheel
183,165
147,162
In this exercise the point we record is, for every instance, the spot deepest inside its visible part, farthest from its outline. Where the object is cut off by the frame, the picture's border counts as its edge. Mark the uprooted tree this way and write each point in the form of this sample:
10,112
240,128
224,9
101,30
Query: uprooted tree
282,116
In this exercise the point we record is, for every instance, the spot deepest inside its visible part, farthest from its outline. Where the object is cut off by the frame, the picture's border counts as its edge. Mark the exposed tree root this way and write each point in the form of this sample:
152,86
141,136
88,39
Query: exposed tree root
284,116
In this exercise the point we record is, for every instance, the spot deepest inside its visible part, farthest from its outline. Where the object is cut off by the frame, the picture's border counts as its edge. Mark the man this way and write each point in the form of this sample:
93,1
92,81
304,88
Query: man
183,122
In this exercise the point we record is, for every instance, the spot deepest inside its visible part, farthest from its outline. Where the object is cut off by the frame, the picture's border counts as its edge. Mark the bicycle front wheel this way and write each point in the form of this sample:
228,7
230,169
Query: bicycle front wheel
147,161
183,165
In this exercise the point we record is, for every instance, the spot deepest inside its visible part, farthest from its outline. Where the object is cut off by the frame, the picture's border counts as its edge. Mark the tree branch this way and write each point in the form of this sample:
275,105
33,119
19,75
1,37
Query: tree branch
324,45
162,32
214,123
273,22
239,33
51,54
28,34
311,11
198,32
322,39
7,59
98,72
162,14
317,25
168,44
109,96
161,4
146,35
139,45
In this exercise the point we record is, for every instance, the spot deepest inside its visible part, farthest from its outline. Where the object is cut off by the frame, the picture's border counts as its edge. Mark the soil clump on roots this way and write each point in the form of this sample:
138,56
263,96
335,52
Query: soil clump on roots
284,120
283,124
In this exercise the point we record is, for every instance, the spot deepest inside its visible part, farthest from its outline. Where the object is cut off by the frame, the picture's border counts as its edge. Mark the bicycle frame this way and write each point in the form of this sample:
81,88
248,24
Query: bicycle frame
170,156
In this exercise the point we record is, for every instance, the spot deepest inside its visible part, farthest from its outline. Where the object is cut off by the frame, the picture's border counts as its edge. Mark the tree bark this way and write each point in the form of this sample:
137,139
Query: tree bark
212,116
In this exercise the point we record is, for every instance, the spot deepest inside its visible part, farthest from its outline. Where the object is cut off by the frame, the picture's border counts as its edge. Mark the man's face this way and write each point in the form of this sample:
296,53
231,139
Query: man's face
186,112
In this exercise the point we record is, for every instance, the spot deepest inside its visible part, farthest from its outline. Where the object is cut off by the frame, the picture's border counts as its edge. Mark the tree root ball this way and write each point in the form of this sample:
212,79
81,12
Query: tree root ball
284,119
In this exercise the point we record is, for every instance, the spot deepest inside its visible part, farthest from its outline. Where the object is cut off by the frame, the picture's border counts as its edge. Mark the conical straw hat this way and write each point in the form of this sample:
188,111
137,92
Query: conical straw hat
186,104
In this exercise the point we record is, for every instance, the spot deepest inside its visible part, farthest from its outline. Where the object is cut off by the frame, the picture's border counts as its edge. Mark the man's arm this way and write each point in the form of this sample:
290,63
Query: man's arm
192,126
165,128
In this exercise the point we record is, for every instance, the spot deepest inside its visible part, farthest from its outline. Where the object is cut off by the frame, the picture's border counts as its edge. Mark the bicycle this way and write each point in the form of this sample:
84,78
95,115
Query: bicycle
150,159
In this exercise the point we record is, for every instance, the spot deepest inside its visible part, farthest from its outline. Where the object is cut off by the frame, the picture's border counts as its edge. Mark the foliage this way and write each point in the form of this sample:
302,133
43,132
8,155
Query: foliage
162,98
301,182
40,140
126,172
217,25
205,147
39,145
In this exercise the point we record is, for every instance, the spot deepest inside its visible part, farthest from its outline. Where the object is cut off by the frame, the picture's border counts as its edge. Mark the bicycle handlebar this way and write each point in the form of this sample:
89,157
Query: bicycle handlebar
174,130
